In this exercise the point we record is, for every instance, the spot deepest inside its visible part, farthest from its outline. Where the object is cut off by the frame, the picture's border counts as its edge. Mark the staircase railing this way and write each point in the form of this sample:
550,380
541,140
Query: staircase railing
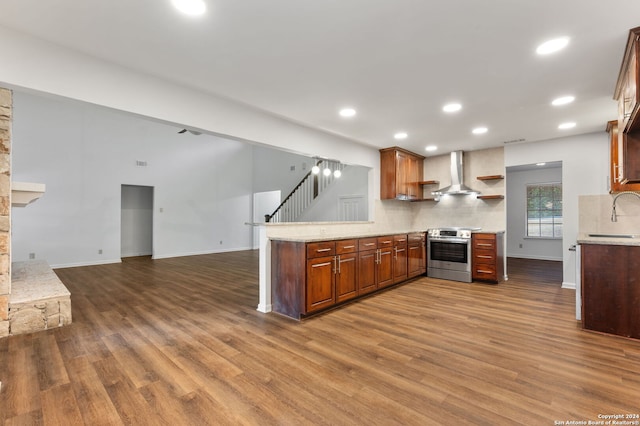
307,190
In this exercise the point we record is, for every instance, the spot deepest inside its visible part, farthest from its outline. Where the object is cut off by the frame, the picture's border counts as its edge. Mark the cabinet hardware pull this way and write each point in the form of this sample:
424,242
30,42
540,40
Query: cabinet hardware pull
395,256
348,247
484,245
339,263
483,271
370,244
484,257
322,250
318,265
386,242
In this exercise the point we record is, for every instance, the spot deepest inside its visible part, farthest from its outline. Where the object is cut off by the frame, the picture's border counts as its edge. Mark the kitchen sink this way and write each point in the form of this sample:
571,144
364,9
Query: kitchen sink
614,235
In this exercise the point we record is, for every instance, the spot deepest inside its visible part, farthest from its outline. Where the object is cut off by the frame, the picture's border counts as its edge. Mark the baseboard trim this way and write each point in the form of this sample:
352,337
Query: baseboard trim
163,256
80,264
265,309
571,286
199,253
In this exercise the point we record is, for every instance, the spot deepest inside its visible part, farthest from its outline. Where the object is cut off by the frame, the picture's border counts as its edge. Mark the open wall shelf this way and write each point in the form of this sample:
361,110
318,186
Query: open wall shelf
490,177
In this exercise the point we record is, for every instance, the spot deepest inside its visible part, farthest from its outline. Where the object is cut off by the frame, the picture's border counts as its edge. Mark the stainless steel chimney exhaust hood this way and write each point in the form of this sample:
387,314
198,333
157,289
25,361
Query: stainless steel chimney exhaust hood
457,186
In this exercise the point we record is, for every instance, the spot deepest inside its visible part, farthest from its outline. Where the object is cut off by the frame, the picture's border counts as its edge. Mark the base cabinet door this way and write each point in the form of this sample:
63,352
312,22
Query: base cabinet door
385,267
416,264
611,289
367,268
320,290
346,277
400,263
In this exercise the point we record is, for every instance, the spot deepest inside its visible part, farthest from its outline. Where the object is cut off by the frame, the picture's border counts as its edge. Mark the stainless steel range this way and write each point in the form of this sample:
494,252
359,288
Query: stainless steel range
449,253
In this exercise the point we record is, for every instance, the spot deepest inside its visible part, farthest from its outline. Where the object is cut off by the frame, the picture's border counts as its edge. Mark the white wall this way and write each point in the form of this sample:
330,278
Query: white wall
532,248
585,169
39,65
84,153
353,181
272,169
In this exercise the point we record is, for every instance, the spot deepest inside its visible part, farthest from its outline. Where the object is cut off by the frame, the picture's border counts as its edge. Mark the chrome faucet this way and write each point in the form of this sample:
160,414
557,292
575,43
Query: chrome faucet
614,216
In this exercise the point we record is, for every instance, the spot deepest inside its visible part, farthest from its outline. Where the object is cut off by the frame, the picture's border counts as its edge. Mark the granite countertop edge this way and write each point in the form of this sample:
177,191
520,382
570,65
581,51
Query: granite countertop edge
583,238
317,238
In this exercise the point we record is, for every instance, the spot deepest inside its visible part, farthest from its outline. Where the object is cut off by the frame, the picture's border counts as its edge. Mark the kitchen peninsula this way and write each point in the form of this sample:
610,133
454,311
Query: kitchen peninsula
309,275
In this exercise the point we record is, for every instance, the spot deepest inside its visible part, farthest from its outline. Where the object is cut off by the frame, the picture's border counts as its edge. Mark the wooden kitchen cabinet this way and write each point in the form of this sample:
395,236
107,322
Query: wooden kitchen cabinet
331,278
400,258
626,91
625,154
320,291
310,277
346,277
616,158
610,284
416,254
401,172
487,253
385,261
375,263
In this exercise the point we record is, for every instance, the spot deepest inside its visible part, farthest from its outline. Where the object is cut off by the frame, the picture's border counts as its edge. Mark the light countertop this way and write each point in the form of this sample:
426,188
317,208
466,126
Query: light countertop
609,239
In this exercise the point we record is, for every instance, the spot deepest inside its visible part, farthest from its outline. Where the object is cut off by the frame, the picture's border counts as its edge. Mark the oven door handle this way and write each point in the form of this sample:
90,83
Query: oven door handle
451,240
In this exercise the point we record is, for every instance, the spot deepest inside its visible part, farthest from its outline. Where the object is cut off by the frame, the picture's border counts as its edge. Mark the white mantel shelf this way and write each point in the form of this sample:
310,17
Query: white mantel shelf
25,193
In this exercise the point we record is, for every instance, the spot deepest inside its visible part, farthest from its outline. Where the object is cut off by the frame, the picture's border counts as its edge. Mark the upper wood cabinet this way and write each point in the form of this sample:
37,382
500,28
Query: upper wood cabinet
616,158
626,92
401,172
625,161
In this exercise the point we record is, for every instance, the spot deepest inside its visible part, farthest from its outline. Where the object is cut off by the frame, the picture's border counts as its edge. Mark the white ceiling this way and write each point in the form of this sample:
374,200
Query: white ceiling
396,62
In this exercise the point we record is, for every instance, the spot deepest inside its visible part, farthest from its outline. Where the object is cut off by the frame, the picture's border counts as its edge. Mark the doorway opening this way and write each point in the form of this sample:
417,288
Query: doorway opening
535,220
136,221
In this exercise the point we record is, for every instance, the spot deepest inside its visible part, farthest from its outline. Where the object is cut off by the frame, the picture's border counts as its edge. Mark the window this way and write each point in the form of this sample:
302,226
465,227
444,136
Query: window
544,210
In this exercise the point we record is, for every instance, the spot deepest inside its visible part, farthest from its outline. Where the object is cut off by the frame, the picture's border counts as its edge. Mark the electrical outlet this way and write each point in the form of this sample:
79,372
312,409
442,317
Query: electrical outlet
220,241
100,251
520,245
32,255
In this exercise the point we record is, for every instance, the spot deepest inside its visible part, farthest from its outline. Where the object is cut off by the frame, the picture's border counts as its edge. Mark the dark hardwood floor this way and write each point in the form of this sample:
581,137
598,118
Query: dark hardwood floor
179,342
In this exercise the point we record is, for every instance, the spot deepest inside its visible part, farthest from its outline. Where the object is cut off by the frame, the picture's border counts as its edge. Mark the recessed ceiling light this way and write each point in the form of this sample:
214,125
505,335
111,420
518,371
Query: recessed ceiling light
568,125
540,164
479,130
400,135
552,46
190,7
563,100
347,112
431,148
453,107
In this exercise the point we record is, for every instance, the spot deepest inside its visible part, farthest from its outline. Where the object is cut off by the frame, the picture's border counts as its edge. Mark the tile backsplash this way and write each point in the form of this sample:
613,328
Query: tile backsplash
595,214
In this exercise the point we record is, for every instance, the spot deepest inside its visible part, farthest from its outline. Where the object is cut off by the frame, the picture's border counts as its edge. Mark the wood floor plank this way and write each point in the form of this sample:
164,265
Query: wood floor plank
59,406
179,341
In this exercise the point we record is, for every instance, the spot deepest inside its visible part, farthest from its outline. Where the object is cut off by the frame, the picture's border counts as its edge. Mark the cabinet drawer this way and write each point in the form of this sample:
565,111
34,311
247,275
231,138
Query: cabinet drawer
367,244
323,248
346,246
400,239
386,241
485,272
416,237
482,256
481,244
